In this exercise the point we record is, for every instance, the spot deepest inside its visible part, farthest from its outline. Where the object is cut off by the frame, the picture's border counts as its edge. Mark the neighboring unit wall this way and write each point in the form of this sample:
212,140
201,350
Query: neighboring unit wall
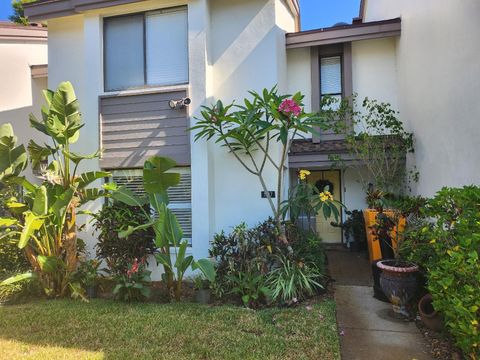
438,79
20,93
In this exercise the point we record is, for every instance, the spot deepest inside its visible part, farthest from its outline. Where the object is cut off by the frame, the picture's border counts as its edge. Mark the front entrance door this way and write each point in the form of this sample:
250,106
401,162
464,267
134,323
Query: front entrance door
327,232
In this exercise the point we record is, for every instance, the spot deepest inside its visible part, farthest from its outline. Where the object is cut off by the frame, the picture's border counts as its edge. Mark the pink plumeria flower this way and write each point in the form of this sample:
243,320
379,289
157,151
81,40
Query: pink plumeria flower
290,107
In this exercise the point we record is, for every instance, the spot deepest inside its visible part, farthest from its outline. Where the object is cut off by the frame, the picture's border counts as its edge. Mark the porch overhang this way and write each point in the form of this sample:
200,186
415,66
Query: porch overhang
346,33
307,154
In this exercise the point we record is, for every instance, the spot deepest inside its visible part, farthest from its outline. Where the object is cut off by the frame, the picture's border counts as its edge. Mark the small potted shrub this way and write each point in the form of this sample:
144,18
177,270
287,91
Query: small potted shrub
88,276
202,290
354,228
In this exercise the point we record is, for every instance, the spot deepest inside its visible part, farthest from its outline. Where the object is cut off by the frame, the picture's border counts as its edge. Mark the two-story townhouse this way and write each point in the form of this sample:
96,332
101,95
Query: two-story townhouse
128,58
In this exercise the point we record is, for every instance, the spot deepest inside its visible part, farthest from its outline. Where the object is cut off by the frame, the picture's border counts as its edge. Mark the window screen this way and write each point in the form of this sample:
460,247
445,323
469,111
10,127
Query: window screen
180,196
148,49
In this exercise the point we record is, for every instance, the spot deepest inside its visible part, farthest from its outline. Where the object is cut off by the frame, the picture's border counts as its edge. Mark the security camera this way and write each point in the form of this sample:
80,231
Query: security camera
180,103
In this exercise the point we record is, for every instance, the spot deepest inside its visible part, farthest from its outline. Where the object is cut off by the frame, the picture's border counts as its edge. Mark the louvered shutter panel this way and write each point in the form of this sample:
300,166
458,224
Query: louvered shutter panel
180,196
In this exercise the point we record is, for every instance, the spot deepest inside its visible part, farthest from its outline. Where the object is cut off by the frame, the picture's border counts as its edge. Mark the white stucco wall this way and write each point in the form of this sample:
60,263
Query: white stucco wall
20,94
299,74
374,73
438,76
248,53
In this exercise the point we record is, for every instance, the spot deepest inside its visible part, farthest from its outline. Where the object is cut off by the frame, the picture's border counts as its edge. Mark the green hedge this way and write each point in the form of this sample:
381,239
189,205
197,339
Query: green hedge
448,247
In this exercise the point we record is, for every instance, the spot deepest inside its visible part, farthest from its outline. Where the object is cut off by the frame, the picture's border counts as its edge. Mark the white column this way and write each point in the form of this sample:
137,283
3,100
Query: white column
202,212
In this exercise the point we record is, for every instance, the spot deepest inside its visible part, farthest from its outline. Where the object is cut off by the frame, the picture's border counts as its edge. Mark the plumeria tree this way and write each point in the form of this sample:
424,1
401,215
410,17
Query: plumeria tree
253,128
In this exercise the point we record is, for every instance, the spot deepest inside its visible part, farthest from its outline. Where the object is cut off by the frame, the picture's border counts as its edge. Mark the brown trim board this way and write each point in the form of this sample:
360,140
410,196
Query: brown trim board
39,71
48,9
347,33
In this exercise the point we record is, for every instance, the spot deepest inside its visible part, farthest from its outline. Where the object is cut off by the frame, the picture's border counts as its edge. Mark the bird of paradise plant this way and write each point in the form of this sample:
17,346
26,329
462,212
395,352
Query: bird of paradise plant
43,219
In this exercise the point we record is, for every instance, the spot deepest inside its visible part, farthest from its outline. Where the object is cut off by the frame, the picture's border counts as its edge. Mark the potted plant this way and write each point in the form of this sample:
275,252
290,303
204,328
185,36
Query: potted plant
398,278
202,289
354,229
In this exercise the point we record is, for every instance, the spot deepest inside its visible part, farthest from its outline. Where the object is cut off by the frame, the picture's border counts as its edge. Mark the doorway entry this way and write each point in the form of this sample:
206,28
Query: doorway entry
331,178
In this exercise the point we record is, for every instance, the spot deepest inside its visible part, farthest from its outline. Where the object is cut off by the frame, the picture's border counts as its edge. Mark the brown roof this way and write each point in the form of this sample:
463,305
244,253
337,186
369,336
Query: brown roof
47,9
345,33
306,146
12,31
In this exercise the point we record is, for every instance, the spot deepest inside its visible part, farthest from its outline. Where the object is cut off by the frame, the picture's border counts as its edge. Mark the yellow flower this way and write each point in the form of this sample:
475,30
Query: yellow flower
325,195
303,174
474,322
433,241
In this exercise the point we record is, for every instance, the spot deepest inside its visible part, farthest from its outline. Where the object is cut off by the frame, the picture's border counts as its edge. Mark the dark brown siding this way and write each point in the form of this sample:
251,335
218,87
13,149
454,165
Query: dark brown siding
134,127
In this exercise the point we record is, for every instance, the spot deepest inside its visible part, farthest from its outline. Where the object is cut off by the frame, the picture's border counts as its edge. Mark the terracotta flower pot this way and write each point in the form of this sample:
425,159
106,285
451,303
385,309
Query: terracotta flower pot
430,317
399,283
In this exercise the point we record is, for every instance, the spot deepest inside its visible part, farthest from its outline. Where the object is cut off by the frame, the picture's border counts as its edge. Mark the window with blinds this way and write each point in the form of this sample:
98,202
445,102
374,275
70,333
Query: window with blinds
147,49
180,196
331,77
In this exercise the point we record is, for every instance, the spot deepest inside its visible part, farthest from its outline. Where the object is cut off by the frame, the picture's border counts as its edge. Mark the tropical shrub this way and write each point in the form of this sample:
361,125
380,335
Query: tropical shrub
292,281
168,233
308,248
251,286
88,273
246,257
255,127
117,252
45,221
134,284
20,291
448,249
250,252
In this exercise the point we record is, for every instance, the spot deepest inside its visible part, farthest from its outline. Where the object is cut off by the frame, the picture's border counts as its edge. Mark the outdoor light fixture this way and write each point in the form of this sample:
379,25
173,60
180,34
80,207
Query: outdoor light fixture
179,104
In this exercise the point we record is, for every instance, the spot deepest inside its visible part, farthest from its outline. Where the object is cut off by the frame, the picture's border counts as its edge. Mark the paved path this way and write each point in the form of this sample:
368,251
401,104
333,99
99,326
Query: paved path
370,332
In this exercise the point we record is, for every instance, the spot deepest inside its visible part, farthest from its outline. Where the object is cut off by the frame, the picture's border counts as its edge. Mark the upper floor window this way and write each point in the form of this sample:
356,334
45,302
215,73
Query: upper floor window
331,77
144,50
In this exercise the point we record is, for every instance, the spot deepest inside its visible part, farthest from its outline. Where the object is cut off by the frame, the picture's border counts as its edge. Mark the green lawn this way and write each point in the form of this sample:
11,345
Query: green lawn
109,330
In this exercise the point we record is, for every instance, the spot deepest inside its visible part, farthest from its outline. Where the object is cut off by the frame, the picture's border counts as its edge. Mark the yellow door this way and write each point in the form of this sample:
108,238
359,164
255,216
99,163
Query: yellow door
327,232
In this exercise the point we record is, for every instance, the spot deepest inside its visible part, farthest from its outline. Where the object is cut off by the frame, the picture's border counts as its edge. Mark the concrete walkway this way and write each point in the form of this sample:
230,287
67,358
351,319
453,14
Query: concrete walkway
370,331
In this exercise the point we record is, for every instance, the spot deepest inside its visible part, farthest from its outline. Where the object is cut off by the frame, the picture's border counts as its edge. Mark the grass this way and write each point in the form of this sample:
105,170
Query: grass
101,329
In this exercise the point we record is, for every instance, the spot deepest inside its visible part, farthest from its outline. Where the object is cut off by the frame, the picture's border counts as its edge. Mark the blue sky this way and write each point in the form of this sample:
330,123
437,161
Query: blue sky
315,13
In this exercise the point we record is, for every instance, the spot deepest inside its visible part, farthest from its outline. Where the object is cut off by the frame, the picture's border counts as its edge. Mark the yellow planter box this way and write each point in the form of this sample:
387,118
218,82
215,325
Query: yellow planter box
374,251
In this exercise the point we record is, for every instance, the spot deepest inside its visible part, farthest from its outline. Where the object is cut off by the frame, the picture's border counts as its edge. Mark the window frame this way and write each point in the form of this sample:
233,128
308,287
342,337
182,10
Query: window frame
344,50
145,65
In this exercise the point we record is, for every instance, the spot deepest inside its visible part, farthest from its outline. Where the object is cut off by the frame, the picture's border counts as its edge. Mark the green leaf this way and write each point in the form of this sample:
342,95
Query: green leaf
40,203
130,230
77,158
49,264
32,224
206,267
89,177
61,203
17,278
164,259
128,197
7,222
156,180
